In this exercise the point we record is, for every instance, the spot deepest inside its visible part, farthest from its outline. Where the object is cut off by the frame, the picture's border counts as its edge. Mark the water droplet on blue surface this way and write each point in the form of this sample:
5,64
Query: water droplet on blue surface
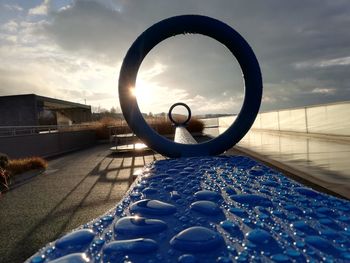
252,200
50,250
223,260
346,255
152,207
230,191
157,176
280,258
347,231
149,191
184,219
263,216
187,258
99,242
154,184
130,246
136,226
329,233
187,192
196,239
299,244
304,227
168,180
180,201
325,211
38,259
107,218
318,242
206,207
329,222
229,226
306,191
344,219
135,195
207,195
72,258
172,171
242,258
293,208
270,183
76,240
169,187
238,212
292,253
291,217
175,195
259,237
256,172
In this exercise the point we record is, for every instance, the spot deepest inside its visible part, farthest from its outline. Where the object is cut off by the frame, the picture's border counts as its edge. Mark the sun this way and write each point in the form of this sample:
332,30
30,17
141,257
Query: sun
142,92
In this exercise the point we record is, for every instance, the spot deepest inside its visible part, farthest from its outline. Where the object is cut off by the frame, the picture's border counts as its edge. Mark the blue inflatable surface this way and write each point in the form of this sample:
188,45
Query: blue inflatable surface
216,209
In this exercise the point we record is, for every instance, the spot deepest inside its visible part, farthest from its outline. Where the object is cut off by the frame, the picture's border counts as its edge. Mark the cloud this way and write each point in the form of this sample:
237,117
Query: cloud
151,72
91,29
41,9
49,71
11,83
156,96
325,91
343,61
13,7
302,48
11,26
89,95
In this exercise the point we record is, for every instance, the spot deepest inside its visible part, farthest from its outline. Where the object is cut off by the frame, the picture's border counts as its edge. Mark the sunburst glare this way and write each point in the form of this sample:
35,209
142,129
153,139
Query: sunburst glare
142,92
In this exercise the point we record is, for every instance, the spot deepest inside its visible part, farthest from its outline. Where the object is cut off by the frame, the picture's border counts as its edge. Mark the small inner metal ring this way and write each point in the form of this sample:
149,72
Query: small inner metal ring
184,123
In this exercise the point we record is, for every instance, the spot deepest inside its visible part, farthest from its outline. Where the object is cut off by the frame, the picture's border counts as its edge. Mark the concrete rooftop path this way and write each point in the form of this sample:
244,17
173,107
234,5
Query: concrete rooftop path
75,189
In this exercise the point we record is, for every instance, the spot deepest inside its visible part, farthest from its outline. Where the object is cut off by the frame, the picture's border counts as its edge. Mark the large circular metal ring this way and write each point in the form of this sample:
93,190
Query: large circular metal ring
170,114
200,25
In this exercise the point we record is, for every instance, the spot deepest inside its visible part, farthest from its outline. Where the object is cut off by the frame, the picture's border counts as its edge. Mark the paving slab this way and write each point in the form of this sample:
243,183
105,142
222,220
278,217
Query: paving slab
73,190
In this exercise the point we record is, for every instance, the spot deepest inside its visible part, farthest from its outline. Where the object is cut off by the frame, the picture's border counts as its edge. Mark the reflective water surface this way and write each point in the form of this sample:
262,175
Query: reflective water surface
325,161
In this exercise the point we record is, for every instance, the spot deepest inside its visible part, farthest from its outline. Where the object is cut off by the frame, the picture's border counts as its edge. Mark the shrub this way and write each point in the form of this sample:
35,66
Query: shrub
163,126
4,160
4,180
166,127
195,125
103,126
17,166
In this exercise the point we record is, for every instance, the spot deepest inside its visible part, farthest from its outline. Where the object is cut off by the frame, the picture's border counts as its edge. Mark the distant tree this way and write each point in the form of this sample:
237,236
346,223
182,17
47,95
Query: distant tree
113,110
95,109
99,109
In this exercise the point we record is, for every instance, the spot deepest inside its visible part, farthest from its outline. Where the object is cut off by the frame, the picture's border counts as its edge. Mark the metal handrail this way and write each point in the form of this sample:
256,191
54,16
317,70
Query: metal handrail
10,131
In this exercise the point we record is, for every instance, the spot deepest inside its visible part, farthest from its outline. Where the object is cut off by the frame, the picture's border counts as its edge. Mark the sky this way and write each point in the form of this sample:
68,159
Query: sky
73,50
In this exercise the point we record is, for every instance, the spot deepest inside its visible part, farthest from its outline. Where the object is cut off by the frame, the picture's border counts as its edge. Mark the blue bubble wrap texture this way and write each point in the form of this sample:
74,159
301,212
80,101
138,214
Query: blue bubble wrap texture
211,209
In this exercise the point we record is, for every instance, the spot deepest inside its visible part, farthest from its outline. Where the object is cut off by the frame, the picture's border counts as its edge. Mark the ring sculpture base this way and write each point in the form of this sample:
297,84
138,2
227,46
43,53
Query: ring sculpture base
182,135
212,209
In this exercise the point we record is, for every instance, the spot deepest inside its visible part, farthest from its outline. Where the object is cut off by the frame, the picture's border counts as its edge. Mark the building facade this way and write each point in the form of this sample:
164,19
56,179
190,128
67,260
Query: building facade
34,110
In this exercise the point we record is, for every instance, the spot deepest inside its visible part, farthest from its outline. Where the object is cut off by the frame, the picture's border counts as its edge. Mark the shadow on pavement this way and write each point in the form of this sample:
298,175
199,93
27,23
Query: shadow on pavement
75,199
